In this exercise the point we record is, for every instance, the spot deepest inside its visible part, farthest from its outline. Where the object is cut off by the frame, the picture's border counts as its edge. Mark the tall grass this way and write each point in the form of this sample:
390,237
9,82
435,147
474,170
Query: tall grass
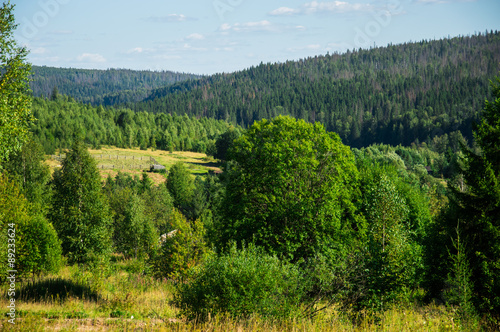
127,300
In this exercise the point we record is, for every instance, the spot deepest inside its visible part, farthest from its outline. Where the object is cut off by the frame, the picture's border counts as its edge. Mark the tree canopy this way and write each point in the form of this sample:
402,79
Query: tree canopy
291,189
15,101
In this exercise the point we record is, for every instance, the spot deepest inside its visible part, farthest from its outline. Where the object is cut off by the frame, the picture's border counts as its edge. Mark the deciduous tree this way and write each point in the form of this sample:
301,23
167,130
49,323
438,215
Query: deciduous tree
15,102
292,189
80,212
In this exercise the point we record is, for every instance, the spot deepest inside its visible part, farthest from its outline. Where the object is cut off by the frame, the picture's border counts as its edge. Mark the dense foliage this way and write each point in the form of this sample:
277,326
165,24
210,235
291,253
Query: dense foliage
291,189
58,121
35,248
240,283
15,104
477,209
397,94
79,211
101,87
298,221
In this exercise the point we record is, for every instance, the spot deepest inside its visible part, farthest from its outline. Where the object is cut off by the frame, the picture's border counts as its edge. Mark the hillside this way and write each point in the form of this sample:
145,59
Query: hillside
397,94
106,87
59,121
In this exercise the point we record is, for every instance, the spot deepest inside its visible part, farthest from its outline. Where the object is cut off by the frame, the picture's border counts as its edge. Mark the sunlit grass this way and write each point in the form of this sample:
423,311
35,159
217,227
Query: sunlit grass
131,300
128,300
135,162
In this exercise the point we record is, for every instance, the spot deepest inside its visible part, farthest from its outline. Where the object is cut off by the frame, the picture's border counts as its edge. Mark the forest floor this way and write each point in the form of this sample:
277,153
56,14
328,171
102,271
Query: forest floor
111,160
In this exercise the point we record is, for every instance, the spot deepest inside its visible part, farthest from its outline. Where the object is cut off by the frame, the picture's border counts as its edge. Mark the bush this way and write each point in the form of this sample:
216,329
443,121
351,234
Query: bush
184,247
240,283
35,246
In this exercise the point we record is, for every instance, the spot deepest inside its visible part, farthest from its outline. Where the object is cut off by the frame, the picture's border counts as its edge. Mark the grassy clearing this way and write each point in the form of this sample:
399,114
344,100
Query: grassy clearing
111,160
127,300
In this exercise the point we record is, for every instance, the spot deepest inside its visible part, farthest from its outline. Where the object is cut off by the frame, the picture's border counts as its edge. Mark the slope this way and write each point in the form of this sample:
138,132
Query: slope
397,94
102,87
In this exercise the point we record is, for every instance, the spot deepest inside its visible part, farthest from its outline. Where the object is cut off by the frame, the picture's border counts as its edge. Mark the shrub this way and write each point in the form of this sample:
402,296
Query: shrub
184,247
240,283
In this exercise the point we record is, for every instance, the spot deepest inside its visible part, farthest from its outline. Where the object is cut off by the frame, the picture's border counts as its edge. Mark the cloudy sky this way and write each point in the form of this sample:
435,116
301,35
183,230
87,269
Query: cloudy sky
210,36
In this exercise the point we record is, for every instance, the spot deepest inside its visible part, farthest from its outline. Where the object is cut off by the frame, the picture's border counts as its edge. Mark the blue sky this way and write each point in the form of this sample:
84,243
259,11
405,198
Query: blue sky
211,36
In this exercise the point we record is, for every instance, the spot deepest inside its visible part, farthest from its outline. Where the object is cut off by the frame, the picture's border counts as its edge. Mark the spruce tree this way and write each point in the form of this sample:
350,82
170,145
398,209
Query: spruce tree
478,208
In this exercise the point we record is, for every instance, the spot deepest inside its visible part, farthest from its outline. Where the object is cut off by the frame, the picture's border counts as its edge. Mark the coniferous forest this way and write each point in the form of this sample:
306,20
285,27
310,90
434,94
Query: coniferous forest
354,191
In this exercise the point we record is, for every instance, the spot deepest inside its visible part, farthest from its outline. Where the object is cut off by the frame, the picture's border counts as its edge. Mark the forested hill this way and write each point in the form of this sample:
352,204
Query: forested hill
395,95
102,87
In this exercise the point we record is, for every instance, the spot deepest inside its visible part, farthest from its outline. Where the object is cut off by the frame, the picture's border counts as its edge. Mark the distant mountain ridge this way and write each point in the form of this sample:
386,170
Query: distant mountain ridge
102,87
397,94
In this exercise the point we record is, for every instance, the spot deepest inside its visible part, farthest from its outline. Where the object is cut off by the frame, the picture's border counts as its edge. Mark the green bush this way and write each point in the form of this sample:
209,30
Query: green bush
240,283
35,248
182,248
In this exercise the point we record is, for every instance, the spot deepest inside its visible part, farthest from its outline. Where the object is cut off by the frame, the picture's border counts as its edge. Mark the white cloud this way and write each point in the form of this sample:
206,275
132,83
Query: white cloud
91,57
283,11
186,46
225,27
195,36
170,18
257,26
248,26
135,50
316,7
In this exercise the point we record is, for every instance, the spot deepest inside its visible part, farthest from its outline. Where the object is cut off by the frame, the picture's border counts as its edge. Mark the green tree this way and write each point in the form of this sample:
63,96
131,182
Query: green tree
80,213
134,233
225,142
291,190
478,208
15,102
37,248
28,169
180,185
392,259
181,249
159,205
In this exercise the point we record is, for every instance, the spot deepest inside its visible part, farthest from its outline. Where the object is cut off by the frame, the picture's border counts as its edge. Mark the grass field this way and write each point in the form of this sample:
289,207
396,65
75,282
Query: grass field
124,299
111,160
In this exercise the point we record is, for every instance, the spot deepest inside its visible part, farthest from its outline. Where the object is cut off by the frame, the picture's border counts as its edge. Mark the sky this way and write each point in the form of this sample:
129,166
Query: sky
215,36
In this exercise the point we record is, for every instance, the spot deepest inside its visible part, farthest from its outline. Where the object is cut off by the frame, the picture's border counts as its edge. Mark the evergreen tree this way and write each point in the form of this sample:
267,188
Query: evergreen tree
478,208
80,212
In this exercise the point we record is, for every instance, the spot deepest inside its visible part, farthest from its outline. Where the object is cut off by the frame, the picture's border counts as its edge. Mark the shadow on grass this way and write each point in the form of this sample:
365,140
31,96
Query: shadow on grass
55,289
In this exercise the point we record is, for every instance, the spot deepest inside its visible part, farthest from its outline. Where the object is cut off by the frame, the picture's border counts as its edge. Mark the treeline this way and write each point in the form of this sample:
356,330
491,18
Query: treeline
397,94
59,121
101,87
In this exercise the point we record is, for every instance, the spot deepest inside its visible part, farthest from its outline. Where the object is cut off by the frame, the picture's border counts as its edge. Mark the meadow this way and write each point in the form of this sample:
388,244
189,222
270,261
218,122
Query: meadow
122,298
111,160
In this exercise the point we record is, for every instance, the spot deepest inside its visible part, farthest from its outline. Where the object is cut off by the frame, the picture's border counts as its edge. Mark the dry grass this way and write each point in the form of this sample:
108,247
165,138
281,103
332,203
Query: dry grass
197,163
130,301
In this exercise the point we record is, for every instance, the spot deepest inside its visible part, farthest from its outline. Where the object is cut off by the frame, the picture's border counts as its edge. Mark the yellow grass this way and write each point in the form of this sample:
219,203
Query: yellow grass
134,302
197,163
